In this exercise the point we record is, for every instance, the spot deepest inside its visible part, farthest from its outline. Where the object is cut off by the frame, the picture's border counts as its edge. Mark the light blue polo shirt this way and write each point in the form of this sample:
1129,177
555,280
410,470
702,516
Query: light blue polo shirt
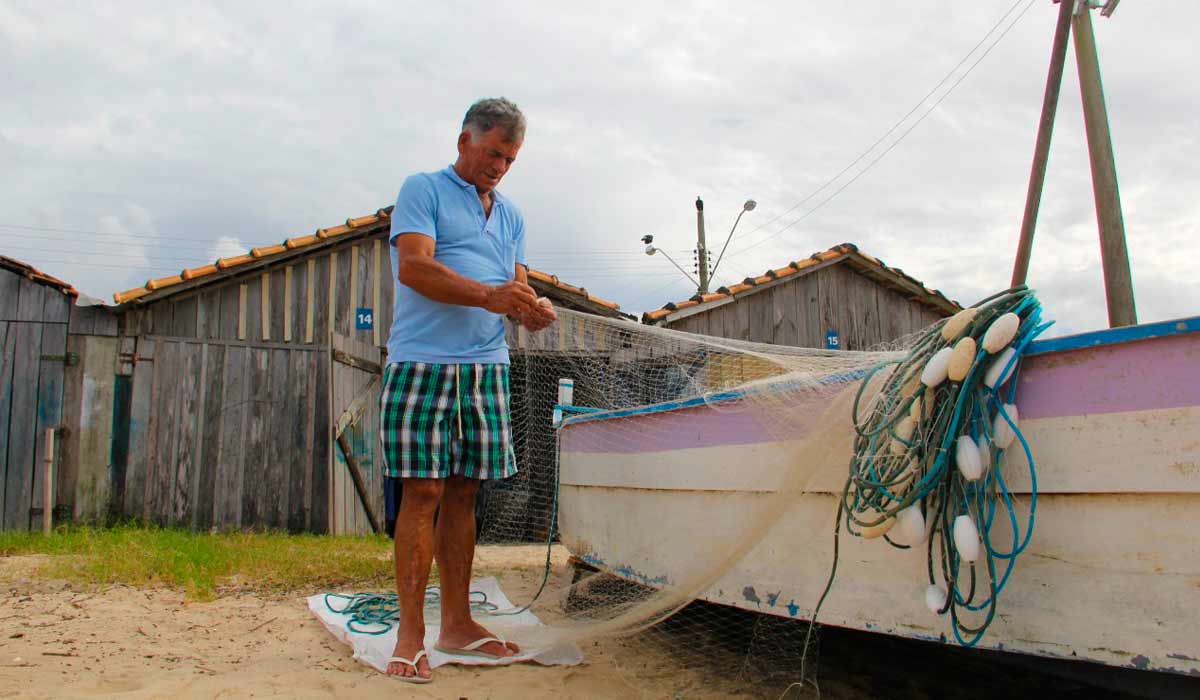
446,208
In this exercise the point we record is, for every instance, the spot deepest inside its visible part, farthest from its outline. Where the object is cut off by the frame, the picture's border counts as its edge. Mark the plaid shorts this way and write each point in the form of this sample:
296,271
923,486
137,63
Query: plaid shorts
442,419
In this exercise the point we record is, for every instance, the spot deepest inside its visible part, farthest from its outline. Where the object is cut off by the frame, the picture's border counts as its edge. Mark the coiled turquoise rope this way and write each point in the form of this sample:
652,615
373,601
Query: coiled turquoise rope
878,486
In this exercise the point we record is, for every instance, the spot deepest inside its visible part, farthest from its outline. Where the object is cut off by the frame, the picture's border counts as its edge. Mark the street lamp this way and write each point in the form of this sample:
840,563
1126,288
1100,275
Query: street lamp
648,239
748,206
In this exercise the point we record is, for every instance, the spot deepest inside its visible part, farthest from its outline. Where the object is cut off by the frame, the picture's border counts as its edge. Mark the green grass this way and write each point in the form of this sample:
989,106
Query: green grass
205,565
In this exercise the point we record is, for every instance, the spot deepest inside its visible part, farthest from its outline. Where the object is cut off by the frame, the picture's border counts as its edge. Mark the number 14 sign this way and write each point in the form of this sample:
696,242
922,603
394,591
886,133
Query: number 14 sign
364,319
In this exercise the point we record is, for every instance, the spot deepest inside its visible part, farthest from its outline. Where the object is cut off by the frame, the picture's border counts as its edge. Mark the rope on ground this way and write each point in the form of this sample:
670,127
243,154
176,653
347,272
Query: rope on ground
378,613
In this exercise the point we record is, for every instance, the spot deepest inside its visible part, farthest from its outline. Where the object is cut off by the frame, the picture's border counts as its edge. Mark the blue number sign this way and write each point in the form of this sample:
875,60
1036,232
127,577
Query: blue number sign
832,341
364,319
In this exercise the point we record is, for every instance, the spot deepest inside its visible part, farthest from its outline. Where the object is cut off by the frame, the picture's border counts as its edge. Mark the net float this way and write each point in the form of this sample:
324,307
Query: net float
961,359
936,368
966,455
958,323
996,374
903,432
935,598
878,530
911,525
966,538
1001,332
1002,432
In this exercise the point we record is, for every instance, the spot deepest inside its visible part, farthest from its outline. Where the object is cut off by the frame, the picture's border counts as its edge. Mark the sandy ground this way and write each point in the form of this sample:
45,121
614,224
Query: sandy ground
61,642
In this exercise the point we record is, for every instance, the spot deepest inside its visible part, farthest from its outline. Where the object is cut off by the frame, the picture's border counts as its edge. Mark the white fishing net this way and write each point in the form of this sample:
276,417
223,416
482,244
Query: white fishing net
701,484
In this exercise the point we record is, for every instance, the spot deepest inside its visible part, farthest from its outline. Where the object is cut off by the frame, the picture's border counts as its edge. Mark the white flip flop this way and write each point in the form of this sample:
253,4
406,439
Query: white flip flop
416,677
472,649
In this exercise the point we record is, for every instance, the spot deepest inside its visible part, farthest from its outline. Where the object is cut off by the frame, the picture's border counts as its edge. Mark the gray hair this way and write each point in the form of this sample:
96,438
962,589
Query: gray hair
495,112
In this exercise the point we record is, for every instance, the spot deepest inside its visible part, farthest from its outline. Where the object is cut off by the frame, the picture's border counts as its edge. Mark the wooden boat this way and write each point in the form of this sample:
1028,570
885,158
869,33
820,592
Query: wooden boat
1113,571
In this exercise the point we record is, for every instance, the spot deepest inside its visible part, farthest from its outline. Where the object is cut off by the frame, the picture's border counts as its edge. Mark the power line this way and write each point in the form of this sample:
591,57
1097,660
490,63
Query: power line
893,128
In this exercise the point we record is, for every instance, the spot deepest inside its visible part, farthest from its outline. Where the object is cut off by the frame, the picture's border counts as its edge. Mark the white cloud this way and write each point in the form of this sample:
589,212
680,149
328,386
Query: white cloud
239,125
228,247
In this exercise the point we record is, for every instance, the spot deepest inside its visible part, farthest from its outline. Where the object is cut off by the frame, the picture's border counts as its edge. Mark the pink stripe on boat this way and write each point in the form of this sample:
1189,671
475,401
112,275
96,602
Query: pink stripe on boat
1134,376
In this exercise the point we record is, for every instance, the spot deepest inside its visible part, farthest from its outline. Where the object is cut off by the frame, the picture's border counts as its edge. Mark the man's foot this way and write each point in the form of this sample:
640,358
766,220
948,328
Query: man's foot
460,636
407,647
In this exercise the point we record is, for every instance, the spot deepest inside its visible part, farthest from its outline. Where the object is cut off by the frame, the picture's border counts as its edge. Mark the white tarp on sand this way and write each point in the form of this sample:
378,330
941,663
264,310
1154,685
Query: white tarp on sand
375,650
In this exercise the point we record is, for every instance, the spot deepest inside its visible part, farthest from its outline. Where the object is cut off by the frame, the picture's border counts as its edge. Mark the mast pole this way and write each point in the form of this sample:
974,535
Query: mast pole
1041,152
1114,255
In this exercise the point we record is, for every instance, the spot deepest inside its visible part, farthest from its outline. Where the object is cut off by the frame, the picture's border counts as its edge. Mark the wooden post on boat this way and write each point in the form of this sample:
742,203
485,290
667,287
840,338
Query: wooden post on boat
1114,256
1041,152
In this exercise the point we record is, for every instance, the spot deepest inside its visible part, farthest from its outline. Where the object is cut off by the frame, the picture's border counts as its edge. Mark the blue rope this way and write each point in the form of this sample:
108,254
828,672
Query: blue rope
878,487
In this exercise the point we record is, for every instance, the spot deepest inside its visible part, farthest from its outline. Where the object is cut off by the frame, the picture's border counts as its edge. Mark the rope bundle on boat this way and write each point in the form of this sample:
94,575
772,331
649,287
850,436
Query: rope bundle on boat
925,469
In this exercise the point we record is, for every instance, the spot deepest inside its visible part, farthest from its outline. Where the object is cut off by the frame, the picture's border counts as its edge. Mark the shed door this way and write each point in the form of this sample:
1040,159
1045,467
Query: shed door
33,340
356,493
229,434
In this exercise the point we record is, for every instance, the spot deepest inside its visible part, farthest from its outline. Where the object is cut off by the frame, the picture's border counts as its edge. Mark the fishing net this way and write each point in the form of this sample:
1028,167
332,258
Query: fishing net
715,495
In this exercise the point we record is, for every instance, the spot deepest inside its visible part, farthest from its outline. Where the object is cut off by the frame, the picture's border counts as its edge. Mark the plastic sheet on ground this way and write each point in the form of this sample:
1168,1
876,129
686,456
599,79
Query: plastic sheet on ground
375,650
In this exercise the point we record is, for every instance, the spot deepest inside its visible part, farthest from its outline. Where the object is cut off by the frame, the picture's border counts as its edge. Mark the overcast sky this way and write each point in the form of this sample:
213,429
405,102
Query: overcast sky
155,136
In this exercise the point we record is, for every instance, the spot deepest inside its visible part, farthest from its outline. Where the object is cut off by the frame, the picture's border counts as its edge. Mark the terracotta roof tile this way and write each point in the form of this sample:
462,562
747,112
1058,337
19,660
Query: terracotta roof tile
797,267
352,225
201,271
267,250
35,275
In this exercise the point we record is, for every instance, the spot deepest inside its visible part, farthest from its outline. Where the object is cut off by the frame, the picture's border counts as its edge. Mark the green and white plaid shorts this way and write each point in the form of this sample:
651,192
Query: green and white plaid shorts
442,419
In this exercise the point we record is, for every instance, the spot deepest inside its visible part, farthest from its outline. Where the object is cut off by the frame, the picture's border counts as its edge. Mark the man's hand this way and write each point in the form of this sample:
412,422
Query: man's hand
542,316
513,298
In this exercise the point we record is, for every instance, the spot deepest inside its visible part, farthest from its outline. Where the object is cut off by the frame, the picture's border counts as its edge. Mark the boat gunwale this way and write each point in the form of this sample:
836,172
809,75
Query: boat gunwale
1080,341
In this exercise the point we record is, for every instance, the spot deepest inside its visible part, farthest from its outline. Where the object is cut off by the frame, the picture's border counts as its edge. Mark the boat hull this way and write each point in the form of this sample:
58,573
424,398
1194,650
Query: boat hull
1113,571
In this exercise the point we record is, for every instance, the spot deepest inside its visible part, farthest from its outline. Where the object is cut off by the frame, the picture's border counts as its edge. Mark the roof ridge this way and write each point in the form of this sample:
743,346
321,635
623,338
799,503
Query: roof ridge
321,235
33,274
794,268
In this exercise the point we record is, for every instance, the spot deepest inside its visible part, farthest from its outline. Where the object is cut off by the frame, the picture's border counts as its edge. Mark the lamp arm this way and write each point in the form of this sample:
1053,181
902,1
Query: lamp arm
685,274
727,239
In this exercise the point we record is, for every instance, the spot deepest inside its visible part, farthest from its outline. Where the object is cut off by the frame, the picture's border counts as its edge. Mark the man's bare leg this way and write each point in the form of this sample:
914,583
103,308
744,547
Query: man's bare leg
455,551
414,555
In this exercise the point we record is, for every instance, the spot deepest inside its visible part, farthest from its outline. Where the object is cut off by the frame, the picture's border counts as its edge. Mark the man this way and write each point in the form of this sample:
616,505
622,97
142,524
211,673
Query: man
458,252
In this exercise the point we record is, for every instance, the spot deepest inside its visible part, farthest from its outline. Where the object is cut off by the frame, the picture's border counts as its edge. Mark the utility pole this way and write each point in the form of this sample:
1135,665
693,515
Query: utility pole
1114,255
701,248
1041,152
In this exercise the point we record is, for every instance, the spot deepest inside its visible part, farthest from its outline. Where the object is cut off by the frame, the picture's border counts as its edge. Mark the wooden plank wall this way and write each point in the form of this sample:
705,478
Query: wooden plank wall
285,303
799,313
33,325
349,384
228,434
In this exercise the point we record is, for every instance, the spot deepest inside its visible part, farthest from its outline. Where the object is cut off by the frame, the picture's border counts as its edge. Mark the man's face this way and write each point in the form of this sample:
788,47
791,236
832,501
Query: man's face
484,162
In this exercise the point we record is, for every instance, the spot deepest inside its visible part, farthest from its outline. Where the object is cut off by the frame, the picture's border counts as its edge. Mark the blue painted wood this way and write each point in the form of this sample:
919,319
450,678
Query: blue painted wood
49,402
720,397
1112,336
8,341
22,425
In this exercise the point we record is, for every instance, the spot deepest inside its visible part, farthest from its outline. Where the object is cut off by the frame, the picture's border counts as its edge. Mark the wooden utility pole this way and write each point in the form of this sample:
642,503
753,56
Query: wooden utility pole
1114,256
701,247
1041,153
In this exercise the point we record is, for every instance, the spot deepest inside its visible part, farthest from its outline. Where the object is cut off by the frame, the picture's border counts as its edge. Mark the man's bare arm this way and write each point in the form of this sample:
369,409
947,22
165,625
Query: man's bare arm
430,278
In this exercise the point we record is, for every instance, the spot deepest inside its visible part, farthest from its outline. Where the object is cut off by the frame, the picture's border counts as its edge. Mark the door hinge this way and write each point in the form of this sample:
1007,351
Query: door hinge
70,359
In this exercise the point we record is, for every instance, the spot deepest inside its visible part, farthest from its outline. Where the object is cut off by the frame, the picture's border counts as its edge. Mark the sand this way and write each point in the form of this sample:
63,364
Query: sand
57,641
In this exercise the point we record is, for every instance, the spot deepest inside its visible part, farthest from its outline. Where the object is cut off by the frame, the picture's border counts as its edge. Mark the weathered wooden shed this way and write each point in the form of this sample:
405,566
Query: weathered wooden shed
56,376
253,384
840,298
